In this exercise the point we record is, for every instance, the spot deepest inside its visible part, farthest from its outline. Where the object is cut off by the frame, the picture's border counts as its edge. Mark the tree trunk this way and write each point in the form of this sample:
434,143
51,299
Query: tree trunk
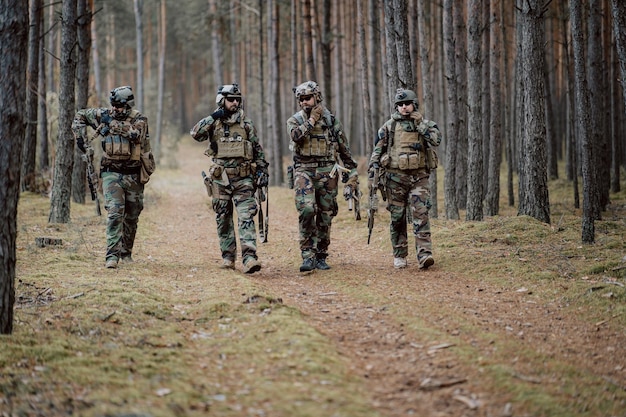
460,65
365,79
583,120
162,44
492,198
274,109
14,46
79,177
474,126
406,76
450,197
307,33
216,46
64,160
139,90
619,23
427,88
391,61
533,187
42,113
30,137
326,45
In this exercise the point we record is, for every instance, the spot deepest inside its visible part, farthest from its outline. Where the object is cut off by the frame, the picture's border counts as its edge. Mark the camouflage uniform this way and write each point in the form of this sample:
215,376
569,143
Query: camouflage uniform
316,149
400,140
232,181
124,137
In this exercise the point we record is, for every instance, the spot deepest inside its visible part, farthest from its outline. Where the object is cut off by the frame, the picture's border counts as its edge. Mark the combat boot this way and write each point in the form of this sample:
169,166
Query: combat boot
227,264
426,260
111,263
308,264
127,258
321,263
251,265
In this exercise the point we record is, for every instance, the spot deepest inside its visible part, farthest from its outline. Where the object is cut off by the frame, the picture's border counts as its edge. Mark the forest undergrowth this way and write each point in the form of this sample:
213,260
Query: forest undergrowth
516,317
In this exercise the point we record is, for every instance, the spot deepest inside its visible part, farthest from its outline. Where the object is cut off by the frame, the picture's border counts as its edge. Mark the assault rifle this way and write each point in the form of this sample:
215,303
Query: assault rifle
352,196
373,200
92,178
261,196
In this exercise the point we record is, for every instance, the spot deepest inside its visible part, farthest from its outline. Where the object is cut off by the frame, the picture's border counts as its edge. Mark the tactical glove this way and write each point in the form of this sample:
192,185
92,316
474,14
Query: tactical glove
415,115
316,112
80,142
262,177
105,117
218,114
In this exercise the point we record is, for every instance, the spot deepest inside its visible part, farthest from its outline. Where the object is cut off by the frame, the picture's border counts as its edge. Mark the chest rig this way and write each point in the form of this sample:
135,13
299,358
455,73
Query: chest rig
319,141
406,148
232,141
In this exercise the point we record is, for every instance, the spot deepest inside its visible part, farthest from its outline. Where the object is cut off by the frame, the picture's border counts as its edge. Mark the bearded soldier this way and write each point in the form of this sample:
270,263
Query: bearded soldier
125,147
318,144
404,152
237,167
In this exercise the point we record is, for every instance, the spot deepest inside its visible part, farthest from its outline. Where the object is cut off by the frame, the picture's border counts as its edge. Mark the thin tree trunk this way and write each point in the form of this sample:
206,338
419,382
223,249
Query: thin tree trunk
14,47
30,137
427,88
307,33
475,120
365,78
42,113
451,204
492,198
79,177
64,158
139,90
583,119
275,109
162,46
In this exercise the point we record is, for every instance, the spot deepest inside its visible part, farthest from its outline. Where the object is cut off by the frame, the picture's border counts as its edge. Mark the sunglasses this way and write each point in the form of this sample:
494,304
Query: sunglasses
232,99
405,103
305,98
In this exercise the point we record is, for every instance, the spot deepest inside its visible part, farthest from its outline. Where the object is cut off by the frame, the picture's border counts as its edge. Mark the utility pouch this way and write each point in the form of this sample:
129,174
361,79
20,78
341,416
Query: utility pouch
403,161
414,161
432,159
290,176
208,183
117,147
384,160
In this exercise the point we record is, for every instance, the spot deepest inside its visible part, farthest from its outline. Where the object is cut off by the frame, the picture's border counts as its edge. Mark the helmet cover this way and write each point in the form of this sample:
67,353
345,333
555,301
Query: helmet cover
228,90
403,95
122,97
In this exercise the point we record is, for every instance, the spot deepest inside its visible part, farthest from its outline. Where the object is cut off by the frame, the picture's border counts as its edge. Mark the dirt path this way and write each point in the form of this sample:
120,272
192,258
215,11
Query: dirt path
424,343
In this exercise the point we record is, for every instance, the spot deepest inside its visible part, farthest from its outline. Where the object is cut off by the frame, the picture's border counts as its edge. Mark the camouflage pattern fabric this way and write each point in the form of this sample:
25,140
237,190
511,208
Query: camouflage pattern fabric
238,195
316,203
123,200
410,192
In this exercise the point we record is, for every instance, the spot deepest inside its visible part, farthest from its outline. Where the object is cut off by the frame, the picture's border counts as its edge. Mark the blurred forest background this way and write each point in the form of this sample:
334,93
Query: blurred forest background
524,91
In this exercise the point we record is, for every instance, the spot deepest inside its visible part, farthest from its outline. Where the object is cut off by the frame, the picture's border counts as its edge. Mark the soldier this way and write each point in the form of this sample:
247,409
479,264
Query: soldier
237,167
125,142
319,147
403,150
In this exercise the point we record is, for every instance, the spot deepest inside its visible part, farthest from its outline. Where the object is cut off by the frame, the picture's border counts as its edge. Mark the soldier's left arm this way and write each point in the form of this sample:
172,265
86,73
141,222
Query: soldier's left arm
434,134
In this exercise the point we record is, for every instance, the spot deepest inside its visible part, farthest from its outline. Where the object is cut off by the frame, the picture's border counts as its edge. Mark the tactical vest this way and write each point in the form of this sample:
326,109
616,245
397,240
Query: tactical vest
232,141
319,141
407,150
119,148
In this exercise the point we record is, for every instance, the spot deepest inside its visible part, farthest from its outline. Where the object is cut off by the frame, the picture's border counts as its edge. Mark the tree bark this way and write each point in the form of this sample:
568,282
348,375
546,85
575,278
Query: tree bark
64,161
533,181
13,49
29,149
452,125
583,119
475,119
139,90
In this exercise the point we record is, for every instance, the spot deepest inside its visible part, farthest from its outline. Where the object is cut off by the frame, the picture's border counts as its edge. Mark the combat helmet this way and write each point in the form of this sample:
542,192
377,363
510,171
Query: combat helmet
403,95
228,90
308,88
122,97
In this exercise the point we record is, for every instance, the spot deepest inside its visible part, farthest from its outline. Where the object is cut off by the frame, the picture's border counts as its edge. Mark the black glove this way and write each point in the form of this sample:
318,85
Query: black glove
262,177
218,114
80,142
105,119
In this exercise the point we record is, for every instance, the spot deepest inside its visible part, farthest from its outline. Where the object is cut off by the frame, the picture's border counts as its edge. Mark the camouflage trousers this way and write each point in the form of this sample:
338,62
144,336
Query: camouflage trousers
316,203
123,201
239,195
411,191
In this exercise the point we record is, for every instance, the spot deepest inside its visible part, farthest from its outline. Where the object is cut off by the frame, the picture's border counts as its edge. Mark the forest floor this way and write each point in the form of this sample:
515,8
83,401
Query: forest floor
516,317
